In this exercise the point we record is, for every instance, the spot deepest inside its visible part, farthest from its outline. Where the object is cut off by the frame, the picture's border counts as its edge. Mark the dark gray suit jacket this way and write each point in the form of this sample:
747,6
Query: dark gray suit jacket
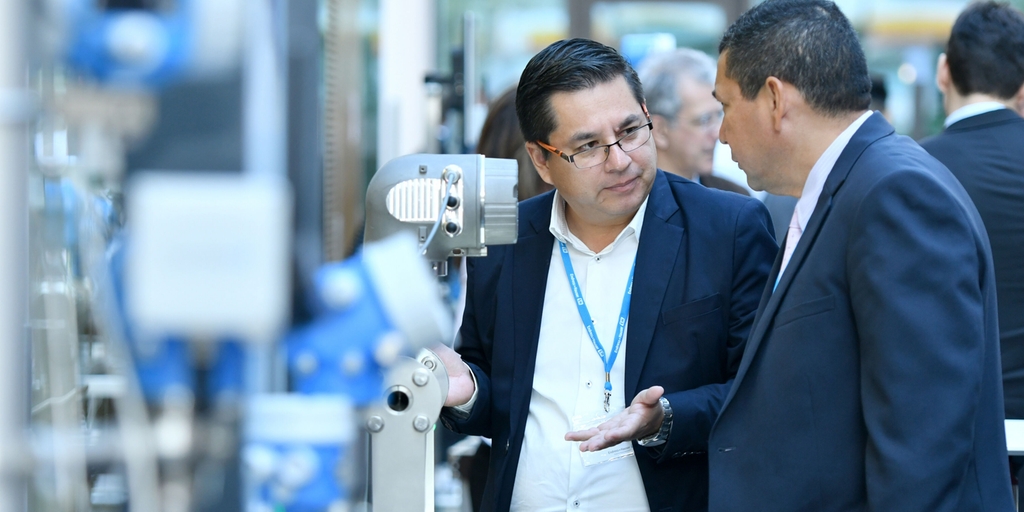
870,380
986,153
701,265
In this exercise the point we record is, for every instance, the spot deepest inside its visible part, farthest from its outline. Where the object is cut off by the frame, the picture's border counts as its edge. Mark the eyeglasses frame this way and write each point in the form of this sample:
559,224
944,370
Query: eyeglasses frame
608,147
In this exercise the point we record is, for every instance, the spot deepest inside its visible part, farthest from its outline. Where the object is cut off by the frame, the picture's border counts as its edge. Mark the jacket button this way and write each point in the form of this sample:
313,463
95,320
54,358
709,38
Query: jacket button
507,443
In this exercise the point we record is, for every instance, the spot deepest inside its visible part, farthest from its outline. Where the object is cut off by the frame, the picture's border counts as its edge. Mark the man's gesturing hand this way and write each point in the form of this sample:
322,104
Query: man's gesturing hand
642,418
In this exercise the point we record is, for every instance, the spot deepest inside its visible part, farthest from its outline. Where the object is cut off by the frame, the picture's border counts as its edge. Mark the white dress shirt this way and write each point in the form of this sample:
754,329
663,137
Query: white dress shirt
816,181
569,381
974,109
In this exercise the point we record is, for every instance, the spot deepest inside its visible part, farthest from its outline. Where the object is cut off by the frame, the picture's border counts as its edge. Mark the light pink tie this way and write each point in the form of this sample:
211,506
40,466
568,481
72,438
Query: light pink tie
792,238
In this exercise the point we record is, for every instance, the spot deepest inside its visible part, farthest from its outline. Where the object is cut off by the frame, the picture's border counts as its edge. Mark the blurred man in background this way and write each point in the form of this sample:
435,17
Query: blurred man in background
686,116
981,75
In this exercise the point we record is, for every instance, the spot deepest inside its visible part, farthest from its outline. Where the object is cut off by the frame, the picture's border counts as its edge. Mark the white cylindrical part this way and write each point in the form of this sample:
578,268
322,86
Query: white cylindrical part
14,151
406,56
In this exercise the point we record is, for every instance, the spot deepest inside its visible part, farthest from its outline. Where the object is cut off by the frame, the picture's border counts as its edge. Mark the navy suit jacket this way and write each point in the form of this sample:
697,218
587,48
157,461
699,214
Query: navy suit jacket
871,377
701,264
986,153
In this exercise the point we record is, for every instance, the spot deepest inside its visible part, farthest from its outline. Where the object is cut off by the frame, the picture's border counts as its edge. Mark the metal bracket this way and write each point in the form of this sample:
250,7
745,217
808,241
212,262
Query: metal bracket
402,434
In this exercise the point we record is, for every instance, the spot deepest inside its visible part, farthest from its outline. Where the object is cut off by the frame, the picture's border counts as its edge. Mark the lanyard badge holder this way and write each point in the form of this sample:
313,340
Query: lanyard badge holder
582,422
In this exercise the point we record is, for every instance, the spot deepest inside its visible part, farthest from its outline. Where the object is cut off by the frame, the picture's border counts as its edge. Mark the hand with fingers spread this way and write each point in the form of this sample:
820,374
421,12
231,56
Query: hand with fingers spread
460,379
643,417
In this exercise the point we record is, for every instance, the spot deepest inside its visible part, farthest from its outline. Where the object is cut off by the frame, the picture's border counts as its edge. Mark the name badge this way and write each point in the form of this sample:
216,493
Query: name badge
612,453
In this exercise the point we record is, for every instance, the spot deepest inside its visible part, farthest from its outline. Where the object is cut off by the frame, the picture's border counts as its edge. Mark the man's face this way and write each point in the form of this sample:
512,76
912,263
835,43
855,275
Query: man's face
747,129
686,145
609,193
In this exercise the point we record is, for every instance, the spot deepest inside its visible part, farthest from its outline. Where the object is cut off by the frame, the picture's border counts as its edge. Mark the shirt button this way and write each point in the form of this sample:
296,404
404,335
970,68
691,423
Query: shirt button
576,503
590,383
598,258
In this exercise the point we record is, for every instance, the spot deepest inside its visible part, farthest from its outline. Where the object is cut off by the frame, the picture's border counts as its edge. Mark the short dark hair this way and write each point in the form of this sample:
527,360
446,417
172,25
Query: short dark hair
985,51
808,43
568,65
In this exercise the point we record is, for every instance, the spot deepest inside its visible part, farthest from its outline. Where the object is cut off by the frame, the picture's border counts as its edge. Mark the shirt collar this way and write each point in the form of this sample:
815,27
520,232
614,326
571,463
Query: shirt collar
972,110
819,173
560,228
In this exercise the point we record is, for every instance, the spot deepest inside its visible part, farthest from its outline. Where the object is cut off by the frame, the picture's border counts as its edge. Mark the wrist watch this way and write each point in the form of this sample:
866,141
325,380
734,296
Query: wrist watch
661,436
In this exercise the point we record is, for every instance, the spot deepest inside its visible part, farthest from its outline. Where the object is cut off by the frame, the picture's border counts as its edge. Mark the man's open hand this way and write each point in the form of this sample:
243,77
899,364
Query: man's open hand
642,418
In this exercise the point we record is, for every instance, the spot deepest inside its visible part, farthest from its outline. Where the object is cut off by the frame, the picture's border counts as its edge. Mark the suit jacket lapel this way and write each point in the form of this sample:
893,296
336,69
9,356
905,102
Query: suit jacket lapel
658,251
873,129
532,257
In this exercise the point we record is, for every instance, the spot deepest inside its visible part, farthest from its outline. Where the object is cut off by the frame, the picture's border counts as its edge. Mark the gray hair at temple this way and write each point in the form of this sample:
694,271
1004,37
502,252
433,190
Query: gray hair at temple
661,73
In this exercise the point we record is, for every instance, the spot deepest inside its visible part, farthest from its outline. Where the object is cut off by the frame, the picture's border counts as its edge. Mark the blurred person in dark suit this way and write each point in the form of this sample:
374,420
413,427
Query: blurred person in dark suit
981,74
686,116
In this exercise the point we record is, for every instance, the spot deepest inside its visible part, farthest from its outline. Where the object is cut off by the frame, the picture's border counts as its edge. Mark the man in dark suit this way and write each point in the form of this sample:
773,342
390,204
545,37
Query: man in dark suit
619,255
677,86
870,380
980,75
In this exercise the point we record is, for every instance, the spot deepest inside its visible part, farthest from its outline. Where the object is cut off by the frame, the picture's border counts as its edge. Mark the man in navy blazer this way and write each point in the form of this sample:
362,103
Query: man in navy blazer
871,378
980,75
700,260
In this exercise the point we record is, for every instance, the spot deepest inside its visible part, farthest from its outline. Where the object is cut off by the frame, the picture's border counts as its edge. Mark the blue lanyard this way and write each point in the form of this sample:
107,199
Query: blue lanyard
588,322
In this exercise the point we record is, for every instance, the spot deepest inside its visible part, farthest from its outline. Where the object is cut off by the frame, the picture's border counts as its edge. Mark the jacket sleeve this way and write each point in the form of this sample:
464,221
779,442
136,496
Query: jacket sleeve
476,338
916,264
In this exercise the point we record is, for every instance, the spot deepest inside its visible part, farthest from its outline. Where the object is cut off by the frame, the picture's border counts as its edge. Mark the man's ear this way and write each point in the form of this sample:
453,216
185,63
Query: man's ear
539,157
661,129
777,97
942,79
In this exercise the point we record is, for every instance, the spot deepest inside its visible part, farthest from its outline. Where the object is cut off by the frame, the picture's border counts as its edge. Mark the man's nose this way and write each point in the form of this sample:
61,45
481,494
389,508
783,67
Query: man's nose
617,157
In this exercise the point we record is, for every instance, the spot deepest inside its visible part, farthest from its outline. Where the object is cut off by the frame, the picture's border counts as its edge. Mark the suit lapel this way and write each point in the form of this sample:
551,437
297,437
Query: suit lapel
873,129
532,257
766,295
658,251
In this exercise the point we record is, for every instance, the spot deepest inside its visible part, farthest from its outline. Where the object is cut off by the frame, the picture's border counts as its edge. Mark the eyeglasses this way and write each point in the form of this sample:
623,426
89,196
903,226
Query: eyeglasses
707,122
596,155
